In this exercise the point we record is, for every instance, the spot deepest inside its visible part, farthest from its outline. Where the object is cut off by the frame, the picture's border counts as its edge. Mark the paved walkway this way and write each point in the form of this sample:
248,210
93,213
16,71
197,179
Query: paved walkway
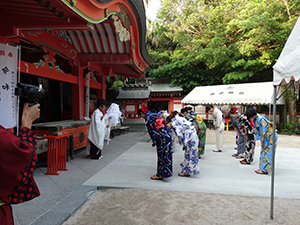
64,193
219,173
129,161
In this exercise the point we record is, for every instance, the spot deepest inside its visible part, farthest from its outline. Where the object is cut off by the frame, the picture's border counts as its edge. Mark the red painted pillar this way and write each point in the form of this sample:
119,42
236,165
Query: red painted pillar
78,95
103,86
102,93
171,105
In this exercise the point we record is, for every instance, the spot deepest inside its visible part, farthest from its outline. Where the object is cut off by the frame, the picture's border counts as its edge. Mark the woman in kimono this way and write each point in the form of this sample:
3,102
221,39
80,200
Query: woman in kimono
161,138
187,136
17,162
247,131
264,132
200,127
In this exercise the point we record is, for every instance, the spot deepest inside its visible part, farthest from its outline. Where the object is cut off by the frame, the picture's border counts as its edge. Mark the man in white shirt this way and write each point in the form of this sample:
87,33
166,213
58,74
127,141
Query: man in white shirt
96,131
219,125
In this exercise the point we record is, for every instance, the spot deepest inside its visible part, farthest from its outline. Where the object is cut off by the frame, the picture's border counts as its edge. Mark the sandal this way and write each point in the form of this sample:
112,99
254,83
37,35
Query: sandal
244,162
217,150
183,175
240,156
261,172
181,164
234,155
154,177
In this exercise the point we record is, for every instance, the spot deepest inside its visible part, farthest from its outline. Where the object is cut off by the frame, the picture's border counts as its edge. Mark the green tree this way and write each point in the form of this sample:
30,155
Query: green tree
113,86
213,41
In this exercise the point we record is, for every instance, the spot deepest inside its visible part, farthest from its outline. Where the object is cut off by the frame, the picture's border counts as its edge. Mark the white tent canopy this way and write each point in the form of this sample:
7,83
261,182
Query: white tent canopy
237,94
287,67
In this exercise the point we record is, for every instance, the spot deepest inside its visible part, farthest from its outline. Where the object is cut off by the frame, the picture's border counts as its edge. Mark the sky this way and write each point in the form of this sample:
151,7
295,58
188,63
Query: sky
152,9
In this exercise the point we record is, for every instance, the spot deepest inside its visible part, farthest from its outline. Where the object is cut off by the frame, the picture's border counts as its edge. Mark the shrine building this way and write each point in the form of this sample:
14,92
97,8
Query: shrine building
156,94
70,46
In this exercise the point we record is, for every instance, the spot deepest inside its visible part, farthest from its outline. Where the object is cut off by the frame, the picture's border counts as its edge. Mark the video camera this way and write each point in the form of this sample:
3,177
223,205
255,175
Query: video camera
31,92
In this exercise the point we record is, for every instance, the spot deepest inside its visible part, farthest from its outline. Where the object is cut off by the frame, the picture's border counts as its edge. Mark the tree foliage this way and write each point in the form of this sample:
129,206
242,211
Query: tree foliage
204,42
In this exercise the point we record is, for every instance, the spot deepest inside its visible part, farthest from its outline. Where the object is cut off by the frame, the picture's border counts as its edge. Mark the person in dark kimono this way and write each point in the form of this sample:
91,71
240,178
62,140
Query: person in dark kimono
17,162
241,140
247,131
162,139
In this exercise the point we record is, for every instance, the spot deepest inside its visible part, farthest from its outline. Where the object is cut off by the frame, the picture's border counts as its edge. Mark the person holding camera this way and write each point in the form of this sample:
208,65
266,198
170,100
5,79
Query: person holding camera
17,162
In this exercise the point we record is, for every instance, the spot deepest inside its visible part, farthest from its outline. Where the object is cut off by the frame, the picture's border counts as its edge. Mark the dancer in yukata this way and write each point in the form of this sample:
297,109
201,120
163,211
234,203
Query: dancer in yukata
161,138
247,131
199,125
264,132
241,141
188,138
173,134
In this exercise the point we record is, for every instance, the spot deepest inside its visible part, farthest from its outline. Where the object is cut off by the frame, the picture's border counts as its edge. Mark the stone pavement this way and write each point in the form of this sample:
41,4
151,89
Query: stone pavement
219,173
64,192
129,161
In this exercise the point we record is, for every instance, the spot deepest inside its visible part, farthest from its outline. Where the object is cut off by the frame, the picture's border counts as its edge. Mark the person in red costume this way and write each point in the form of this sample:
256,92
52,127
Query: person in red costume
17,162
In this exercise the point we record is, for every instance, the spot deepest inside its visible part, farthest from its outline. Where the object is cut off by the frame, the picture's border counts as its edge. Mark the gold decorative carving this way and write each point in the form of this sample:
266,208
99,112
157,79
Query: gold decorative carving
35,34
72,2
106,12
124,17
122,33
49,62
72,51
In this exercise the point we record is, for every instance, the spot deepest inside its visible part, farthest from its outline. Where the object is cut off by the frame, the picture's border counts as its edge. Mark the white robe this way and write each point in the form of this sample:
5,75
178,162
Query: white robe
112,117
96,131
114,114
218,121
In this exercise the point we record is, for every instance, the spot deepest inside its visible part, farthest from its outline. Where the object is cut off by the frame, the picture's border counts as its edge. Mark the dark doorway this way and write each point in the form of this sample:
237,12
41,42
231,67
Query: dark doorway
156,106
56,101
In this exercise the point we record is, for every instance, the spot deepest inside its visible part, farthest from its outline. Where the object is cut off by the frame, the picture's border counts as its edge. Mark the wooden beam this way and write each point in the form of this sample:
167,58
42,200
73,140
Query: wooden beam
40,71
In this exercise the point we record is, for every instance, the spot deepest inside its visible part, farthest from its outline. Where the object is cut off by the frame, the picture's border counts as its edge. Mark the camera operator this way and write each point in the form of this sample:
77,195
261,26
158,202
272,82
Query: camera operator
17,162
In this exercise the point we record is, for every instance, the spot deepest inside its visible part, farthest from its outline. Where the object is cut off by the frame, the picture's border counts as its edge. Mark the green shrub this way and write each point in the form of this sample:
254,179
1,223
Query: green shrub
292,128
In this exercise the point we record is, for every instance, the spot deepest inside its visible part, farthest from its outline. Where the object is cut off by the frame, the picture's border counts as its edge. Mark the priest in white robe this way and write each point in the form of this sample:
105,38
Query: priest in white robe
96,131
219,125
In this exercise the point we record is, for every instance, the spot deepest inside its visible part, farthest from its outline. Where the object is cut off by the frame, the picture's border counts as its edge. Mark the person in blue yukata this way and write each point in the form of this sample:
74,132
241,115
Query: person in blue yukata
161,137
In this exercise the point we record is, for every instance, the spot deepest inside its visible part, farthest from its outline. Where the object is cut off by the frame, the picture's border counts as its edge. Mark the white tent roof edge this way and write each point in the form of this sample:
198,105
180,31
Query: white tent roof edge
237,94
287,67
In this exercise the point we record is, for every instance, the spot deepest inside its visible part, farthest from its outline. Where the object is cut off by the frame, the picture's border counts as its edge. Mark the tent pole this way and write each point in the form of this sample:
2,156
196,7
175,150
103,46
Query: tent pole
273,154
270,106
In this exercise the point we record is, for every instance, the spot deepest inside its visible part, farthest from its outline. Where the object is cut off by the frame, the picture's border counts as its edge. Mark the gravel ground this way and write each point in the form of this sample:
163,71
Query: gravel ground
144,206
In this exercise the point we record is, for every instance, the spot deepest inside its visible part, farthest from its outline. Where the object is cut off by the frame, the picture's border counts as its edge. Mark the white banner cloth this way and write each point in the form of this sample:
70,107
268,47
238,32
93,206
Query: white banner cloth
8,81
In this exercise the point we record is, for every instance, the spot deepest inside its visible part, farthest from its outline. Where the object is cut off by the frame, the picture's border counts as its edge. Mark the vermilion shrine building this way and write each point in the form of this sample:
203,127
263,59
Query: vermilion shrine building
70,46
156,94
